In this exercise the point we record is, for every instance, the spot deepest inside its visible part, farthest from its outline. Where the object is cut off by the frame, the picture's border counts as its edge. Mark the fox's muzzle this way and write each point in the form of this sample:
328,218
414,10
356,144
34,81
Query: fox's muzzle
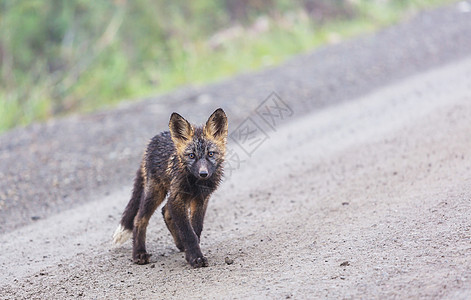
203,171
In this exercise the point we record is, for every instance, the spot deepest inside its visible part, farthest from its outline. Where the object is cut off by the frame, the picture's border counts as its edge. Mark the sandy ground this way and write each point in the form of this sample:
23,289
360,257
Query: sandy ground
366,199
47,168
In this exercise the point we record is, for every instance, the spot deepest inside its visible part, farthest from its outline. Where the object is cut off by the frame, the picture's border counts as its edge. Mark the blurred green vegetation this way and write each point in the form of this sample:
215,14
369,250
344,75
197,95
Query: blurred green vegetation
62,56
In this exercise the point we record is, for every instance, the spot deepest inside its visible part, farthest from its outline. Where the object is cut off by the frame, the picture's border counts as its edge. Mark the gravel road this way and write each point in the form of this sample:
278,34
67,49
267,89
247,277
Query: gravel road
361,191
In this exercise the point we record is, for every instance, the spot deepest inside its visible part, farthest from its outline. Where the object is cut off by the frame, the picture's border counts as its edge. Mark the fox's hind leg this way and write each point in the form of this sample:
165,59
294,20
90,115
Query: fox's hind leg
152,198
171,227
125,228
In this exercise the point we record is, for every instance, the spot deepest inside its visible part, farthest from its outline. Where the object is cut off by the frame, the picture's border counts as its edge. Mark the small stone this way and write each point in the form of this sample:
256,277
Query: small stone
344,264
35,218
229,261
152,266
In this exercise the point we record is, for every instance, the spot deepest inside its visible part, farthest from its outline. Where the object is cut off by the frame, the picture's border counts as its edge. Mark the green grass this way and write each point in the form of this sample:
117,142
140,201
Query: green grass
113,74
203,65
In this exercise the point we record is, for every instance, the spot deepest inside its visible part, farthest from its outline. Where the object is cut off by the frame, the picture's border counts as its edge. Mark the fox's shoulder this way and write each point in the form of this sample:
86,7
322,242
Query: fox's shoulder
161,141
159,150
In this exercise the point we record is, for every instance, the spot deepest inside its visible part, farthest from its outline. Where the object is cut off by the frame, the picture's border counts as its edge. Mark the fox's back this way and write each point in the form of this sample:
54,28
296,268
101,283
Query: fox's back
157,156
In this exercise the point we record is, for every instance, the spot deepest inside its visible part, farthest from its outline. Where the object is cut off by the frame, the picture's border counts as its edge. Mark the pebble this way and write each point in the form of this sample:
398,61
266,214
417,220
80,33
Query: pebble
229,261
344,264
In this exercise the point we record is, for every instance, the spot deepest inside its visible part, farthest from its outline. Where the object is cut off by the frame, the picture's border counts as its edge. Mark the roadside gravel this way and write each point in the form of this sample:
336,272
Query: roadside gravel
50,167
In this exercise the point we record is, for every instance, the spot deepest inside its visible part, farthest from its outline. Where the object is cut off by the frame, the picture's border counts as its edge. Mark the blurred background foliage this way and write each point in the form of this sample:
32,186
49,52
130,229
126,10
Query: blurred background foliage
62,56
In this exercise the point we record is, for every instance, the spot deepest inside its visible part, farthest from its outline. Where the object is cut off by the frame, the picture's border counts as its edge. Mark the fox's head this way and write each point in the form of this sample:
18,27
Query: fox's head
201,150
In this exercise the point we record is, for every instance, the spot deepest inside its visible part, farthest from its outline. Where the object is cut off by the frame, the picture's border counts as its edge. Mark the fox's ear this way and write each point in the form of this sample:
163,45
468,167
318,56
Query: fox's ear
216,126
180,129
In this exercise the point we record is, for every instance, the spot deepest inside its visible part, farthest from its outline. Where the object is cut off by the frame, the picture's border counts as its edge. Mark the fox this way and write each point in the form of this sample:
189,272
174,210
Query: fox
184,165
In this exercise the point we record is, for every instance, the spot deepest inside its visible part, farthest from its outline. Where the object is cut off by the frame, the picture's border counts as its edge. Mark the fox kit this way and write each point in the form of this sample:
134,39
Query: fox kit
185,163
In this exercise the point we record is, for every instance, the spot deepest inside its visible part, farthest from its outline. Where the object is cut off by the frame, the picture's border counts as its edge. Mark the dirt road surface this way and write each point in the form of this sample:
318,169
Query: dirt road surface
367,198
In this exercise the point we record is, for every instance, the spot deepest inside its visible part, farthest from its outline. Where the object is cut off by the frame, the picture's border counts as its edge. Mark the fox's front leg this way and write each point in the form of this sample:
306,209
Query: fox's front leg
178,209
172,228
197,212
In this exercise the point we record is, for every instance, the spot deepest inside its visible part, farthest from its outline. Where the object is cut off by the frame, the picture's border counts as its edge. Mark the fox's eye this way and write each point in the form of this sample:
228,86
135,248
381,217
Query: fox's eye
210,153
191,156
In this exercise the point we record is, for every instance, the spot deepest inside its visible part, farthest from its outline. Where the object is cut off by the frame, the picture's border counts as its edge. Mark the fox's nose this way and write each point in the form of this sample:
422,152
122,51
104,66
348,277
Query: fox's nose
202,170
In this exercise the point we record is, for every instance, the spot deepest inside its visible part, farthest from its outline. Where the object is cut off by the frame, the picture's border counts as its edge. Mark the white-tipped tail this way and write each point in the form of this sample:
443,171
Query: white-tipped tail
121,235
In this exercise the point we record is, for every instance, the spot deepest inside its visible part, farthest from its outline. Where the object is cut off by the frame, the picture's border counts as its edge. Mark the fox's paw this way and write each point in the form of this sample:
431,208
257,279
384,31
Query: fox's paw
199,262
142,258
180,247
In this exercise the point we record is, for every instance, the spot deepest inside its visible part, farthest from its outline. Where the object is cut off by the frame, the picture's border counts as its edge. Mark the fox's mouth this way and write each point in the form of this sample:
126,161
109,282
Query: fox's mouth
203,182
203,178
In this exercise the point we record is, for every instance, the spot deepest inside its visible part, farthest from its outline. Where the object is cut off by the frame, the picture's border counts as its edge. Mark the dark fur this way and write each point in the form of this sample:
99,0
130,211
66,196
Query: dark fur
168,168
